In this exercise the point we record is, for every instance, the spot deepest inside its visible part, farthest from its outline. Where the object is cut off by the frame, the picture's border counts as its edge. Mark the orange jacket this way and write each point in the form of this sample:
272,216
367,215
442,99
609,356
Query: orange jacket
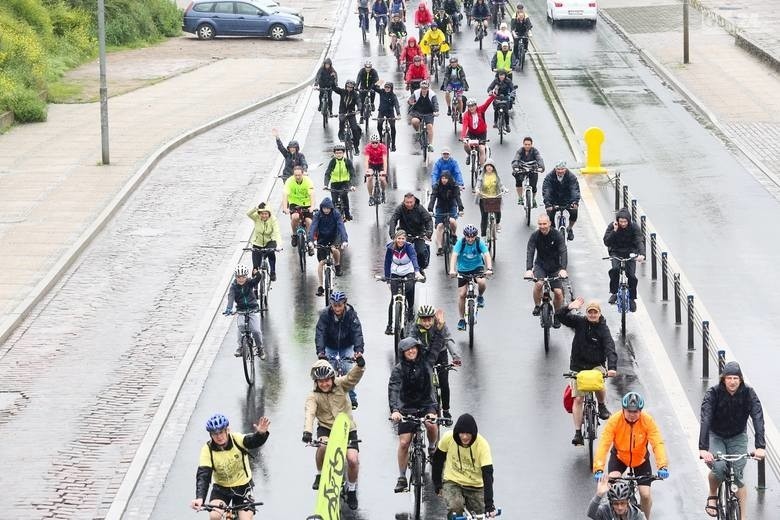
630,441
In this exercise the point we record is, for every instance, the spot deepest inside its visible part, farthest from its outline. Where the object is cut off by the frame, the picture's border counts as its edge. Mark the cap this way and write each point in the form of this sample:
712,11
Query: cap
561,164
593,304
445,150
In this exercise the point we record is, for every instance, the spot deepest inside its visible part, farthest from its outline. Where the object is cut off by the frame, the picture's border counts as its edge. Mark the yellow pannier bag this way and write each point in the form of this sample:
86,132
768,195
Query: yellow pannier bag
590,380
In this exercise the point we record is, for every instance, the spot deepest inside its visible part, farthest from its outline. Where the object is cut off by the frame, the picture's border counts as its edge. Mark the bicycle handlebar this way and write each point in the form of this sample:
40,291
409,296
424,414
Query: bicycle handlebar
629,478
545,279
385,118
733,457
474,276
632,256
573,375
442,421
407,278
446,366
264,249
231,509
316,443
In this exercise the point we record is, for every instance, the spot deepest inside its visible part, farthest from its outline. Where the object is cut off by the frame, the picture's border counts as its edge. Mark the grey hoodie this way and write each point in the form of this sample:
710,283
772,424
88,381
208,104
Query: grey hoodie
599,511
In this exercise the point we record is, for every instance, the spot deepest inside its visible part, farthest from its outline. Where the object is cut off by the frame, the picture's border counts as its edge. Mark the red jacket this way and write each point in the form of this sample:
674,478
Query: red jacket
422,16
408,54
481,127
417,72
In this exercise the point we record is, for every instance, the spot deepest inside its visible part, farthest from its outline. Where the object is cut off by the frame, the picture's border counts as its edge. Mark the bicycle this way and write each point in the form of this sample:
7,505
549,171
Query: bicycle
728,503
560,221
437,61
363,24
377,193
468,5
474,145
340,200
264,287
499,12
368,108
380,31
502,117
623,295
348,136
491,206
524,169
590,411
521,48
481,31
418,458
328,272
546,311
471,303
249,349
387,136
230,512
455,104
301,234
325,93
397,41
422,137
633,482
402,316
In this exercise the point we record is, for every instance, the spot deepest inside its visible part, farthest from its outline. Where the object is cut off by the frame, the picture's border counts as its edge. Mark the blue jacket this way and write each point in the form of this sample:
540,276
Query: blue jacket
338,333
408,250
480,11
327,228
451,165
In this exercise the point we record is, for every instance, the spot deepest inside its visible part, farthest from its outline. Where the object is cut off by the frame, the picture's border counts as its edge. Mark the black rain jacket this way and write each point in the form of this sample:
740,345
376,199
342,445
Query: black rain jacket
624,241
592,344
726,415
560,193
416,221
550,251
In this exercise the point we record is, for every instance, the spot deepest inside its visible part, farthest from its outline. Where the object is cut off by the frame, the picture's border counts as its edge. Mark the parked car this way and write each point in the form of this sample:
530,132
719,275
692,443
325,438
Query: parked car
210,18
558,10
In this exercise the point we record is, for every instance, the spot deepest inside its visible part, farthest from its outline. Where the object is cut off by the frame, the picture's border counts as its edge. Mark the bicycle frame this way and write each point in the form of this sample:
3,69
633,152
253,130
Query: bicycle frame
728,503
623,294
561,222
547,310
328,272
248,348
338,196
399,310
229,511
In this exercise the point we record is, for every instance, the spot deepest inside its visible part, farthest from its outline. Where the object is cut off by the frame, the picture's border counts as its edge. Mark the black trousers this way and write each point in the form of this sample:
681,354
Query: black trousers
343,185
356,131
380,125
423,253
533,180
483,224
444,379
257,257
395,282
614,278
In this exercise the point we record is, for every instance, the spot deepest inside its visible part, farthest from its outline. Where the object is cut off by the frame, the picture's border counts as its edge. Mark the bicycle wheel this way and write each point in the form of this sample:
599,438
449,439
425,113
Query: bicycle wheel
562,231
474,159
546,319
262,300
324,112
398,320
522,58
363,30
248,356
424,143
591,432
327,284
724,497
418,472
501,126
377,194
528,202
471,309
302,251
447,249
366,116
481,35
492,236
348,144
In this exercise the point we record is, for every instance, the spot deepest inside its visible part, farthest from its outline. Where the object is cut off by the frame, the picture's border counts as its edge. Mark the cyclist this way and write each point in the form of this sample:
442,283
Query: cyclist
366,79
416,73
389,108
326,78
445,197
437,344
433,37
266,234
410,390
397,30
549,248
379,12
326,400
495,11
339,333
349,105
618,506
454,81
362,10
422,18
502,60
443,20
505,98
521,29
503,35
231,481
528,153
724,414
561,188
480,13
628,434
623,238
446,163
409,52
400,262
591,349
339,175
327,229
488,187
242,293
470,256
398,7
376,159
423,107
474,126
298,195
467,463
452,8
292,155
412,217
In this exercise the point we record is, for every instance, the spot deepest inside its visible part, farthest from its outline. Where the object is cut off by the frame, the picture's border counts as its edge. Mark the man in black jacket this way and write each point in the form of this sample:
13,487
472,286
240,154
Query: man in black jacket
413,218
389,108
366,78
724,414
349,105
622,239
292,155
561,188
549,248
591,349
525,155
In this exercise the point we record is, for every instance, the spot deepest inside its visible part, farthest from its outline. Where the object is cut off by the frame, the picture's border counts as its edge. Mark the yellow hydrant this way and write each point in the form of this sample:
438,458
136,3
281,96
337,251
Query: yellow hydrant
594,137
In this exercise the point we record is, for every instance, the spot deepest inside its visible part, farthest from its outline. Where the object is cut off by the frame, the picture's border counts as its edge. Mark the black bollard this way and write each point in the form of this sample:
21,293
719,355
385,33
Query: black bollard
677,309
664,277
690,322
625,196
617,191
653,258
721,361
705,349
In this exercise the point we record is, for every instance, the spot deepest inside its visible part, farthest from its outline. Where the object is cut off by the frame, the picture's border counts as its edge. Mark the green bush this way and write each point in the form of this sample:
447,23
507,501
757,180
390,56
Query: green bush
26,105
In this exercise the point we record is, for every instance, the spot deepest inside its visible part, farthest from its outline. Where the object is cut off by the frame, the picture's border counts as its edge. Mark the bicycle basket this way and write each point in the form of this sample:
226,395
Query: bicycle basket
491,204
590,381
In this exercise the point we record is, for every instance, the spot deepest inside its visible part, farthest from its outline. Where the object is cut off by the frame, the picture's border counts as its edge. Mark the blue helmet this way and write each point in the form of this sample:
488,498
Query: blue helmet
216,423
338,296
633,401
470,231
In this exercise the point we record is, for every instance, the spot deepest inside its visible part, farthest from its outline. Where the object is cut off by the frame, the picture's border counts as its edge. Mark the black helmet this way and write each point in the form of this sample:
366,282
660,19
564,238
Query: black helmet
349,83
619,491
327,62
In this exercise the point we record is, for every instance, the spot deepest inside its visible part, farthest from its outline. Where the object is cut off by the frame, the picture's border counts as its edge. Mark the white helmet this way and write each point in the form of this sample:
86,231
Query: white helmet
241,270
374,138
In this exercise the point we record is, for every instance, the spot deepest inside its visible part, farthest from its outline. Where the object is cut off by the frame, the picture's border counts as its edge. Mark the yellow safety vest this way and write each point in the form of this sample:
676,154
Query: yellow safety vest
504,61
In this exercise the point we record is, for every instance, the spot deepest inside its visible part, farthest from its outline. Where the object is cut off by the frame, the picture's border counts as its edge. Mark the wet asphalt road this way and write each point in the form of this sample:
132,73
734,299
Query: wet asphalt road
507,381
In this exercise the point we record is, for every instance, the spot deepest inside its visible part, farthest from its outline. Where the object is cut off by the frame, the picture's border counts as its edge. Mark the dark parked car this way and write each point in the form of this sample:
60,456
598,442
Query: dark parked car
209,18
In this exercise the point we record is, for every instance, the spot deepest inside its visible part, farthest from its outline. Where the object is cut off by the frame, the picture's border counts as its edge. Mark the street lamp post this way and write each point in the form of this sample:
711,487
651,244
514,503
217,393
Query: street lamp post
686,57
101,18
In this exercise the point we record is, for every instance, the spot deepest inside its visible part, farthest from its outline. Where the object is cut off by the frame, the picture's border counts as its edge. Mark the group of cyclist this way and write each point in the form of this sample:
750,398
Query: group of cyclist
461,460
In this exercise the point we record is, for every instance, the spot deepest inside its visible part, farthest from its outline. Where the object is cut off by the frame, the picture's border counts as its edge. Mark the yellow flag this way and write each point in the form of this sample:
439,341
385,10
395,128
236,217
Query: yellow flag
334,470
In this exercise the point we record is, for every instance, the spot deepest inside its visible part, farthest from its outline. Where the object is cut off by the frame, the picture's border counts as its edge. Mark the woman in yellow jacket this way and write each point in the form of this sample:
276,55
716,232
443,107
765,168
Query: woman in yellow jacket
266,235
628,433
434,36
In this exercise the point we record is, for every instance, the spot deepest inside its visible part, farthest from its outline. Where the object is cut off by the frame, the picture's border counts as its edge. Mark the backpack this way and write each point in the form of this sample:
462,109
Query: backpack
463,245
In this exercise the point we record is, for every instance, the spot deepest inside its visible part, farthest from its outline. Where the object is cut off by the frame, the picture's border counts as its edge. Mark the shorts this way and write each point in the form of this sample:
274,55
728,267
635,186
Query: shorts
462,282
577,393
233,495
456,497
441,218
481,136
539,272
455,86
735,444
644,469
322,254
306,213
353,444
426,118
408,426
378,167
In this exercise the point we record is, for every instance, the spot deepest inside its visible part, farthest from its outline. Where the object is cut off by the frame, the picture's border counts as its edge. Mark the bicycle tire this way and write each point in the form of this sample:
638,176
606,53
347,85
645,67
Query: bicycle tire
528,203
522,58
363,30
480,39
474,167
447,247
562,231
492,236
591,433
397,328
348,144
424,143
302,251
261,291
248,357
327,283
417,478
325,113
471,310
501,127
546,318
377,194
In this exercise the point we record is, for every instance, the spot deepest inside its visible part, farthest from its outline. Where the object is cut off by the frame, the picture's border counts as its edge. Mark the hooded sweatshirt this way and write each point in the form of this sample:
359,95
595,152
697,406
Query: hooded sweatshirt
602,510
469,465
328,228
624,241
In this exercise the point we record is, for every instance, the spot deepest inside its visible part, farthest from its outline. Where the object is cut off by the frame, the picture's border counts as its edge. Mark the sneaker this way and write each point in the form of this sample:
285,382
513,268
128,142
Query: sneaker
430,148
371,200
273,277
449,111
316,484
520,201
604,413
578,440
352,501
468,159
354,403
556,322
401,485
310,249
338,270
612,299
389,330
495,125
239,352
392,147
632,305
446,414
480,301
537,310
570,234
476,38
462,324
507,130
261,353
320,291
357,150
295,240
439,251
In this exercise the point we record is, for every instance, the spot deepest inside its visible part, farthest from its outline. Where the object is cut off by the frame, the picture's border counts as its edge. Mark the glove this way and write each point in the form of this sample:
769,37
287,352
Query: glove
271,243
227,312
663,473
306,437
597,476
360,361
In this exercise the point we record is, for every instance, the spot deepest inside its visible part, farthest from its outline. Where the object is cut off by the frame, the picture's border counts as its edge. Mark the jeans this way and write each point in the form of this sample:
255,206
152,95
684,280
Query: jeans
254,327
614,278
343,366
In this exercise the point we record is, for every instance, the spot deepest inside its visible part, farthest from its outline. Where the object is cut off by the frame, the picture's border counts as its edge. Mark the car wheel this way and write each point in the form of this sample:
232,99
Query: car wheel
278,32
205,32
